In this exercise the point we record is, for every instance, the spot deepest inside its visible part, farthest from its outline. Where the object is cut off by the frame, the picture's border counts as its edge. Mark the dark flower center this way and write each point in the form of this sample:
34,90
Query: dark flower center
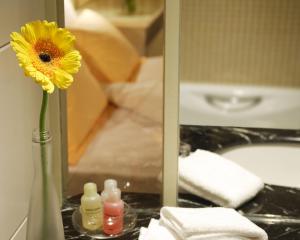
45,57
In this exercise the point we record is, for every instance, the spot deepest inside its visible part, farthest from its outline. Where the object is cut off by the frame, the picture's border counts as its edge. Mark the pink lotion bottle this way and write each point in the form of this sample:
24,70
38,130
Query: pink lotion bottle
113,208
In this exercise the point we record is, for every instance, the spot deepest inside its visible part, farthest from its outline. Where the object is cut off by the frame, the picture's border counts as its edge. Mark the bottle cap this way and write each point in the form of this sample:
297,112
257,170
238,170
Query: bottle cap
90,189
111,192
115,195
110,184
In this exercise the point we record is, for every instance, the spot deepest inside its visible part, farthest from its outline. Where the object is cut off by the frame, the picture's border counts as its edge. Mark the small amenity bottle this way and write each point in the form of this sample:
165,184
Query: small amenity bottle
113,208
91,208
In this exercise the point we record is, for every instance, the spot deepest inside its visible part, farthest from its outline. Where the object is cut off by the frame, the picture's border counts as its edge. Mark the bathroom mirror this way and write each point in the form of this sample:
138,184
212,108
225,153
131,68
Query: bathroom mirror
115,106
239,83
239,63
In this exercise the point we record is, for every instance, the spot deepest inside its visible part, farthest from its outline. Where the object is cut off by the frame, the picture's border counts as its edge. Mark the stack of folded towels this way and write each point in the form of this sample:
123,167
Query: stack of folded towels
201,223
221,181
217,179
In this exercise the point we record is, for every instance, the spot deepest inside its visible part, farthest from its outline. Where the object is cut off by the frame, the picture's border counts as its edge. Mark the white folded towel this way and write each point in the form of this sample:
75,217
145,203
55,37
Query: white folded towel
143,233
210,223
217,179
156,232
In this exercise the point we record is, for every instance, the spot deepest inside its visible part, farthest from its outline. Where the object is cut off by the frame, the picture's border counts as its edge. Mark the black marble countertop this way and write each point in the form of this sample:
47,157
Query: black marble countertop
217,139
276,209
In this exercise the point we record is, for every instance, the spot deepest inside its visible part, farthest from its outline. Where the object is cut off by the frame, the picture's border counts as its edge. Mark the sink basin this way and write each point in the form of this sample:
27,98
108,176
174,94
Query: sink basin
239,105
275,164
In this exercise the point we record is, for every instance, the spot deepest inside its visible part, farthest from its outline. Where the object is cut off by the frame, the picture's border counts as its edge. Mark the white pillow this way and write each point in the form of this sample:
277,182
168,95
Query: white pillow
108,53
145,96
87,102
70,13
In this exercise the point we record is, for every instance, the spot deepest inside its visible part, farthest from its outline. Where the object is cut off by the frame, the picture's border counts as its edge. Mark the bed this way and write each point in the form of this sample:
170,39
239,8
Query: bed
114,111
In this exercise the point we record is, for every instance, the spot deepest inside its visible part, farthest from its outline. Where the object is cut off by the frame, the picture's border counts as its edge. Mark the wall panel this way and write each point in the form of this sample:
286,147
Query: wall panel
14,13
240,42
20,101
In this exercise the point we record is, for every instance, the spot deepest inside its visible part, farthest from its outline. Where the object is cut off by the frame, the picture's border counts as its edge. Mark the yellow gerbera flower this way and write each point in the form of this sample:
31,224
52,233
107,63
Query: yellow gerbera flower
47,54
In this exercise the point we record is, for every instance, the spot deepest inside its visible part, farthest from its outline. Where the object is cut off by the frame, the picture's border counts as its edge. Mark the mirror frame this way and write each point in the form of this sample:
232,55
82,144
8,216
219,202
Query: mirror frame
171,103
58,114
58,111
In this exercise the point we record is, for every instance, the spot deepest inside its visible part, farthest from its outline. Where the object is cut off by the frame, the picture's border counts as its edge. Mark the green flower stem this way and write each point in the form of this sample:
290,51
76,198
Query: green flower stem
43,114
44,162
131,6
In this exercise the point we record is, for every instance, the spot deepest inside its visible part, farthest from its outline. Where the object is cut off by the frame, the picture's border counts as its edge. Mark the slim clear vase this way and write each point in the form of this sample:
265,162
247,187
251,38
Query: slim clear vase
44,220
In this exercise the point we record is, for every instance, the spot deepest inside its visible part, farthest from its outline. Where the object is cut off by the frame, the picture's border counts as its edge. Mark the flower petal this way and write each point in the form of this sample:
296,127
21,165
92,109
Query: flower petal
40,78
64,40
21,47
29,33
71,62
19,43
62,79
24,59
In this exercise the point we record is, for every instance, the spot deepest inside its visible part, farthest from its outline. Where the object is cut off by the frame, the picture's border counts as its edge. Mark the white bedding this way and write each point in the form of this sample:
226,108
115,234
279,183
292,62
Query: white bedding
129,146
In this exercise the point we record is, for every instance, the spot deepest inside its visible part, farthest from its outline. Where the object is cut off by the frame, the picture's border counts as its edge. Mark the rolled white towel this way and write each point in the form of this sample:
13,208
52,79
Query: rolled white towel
155,231
210,223
217,179
143,233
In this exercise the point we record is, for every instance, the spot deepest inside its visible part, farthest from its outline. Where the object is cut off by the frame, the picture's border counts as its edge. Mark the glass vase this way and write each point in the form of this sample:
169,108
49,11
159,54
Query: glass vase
44,220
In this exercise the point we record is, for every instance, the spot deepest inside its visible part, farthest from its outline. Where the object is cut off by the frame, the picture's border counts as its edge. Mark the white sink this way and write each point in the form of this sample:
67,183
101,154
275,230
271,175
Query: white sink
275,164
238,105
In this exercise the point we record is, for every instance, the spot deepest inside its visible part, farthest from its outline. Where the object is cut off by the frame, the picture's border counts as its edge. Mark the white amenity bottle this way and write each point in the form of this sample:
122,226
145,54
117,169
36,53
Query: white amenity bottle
113,208
91,208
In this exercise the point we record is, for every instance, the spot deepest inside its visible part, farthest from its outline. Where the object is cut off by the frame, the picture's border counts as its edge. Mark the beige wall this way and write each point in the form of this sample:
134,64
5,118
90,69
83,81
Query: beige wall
19,104
240,41
20,101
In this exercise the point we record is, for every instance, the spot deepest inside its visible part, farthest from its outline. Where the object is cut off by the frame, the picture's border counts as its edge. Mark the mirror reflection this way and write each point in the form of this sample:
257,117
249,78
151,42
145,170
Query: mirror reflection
114,107
240,63
239,99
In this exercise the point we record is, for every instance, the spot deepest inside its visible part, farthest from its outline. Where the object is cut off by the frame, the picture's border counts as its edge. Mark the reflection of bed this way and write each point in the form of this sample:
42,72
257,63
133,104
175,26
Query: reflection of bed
114,110
128,146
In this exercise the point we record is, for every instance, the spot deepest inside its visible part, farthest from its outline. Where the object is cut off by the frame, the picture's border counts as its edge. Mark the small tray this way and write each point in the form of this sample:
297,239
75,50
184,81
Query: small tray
129,223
